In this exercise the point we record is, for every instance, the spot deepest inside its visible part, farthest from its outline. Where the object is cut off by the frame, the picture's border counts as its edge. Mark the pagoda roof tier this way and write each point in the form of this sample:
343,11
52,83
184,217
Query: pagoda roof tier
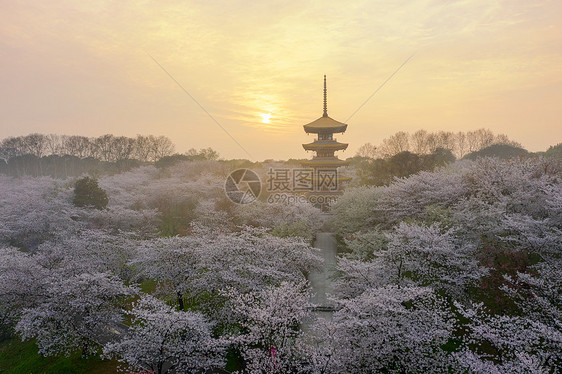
324,125
318,145
319,162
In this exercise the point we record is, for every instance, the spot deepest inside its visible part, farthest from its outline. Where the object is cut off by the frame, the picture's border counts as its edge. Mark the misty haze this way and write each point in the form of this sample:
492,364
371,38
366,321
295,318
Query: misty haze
281,187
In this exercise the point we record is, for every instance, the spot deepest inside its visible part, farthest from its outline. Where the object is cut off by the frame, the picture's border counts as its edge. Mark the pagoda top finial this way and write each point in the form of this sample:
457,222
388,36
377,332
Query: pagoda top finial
325,98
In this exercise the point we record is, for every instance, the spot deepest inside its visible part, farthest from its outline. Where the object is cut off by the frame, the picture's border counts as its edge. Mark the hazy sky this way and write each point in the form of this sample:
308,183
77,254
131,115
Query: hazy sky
83,68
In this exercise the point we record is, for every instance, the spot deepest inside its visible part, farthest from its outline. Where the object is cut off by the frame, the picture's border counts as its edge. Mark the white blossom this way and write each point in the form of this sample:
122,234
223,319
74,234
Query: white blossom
162,339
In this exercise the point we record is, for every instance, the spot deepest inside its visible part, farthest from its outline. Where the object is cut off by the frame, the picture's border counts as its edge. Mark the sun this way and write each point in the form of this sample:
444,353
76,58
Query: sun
265,118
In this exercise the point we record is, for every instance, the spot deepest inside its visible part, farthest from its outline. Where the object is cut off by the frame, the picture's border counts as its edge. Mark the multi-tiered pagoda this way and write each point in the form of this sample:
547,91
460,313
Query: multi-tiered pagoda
327,182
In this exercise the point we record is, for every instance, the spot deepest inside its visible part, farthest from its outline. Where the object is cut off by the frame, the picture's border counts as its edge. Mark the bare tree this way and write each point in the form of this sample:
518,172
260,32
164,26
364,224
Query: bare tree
142,149
35,144
209,153
161,146
397,143
104,145
419,142
367,150
79,146
446,140
479,139
122,148
53,144
462,145
107,147
12,147
503,139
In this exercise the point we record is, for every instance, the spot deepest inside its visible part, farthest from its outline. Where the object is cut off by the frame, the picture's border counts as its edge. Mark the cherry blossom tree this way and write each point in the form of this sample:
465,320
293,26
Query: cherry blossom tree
390,329
22,284
409,197
169,261
33,210
75,313
430,255
269,322
455,270
294,219
411,254
353,211
527,342
251,259
206,262
440,229
89,251
163,339
478,191
519,344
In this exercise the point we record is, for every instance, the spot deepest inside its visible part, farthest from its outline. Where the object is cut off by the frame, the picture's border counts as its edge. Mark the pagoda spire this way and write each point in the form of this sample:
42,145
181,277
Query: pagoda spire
325,183
325,98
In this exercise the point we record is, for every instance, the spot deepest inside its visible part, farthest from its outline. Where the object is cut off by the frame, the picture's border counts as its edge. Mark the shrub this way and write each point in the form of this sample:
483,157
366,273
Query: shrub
88,193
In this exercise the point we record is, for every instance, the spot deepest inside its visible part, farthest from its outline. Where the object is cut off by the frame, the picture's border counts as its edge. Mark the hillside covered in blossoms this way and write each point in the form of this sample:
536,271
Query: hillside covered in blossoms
456,269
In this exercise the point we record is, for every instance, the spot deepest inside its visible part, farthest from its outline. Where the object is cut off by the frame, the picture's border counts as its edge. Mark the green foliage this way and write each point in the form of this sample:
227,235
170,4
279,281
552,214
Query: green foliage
439,157
18,357
234,360
3,166
203,154
352,211
148,286
239,164
191,155
364,246
64,166
124,165
299,228
502,151
380,172
88,193
168,161
176,216
440,215
554,151
403,164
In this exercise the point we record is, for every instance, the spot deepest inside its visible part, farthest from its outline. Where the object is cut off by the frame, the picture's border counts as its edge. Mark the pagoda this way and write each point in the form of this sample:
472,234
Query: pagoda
324,164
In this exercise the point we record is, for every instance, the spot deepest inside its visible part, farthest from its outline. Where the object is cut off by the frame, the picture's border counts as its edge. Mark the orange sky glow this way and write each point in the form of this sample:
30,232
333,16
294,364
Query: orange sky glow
84,68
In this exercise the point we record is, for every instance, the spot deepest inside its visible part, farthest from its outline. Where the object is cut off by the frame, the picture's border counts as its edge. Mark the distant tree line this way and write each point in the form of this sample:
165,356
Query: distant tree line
108,148
63,155
191,155
423,142
403,154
